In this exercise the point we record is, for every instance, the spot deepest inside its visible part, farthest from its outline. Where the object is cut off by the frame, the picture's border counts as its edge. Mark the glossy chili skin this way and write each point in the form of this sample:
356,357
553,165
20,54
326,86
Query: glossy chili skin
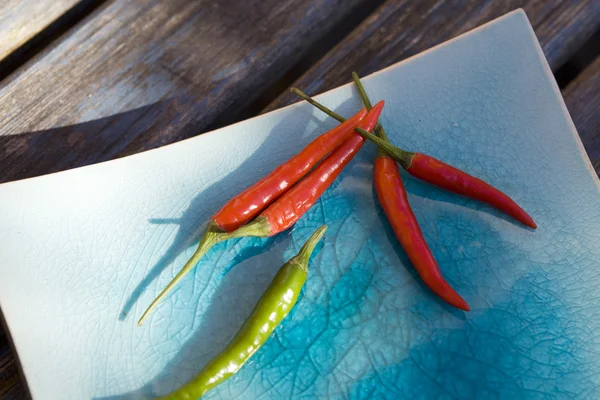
248,204
286,211
393,199
298,200
271,309
288,208
454,180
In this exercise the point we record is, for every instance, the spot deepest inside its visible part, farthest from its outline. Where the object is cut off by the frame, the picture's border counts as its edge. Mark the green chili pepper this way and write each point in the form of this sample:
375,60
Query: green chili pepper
272,308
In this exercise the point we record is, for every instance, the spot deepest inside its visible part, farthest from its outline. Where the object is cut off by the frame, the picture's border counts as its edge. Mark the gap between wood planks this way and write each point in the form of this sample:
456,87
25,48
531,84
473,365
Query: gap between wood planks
329,41
46,36
565,74
581,59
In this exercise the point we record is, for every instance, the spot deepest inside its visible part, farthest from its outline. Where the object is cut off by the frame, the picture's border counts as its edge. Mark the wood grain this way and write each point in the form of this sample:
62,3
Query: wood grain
10,382
141,74
402,28
20,20
582,97
10,385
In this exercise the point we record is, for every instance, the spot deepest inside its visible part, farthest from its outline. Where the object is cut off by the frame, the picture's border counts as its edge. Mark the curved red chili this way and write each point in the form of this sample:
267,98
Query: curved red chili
248,204
298,200
393,199
287,209
438,173
453,179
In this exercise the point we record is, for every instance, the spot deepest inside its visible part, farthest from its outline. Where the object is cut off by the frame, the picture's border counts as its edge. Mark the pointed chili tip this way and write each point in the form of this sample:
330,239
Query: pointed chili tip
464,306
451,297
455,300
377,108
525,219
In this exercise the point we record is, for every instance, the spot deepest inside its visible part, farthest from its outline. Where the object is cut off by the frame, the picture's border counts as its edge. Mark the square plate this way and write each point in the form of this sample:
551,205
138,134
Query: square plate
85,251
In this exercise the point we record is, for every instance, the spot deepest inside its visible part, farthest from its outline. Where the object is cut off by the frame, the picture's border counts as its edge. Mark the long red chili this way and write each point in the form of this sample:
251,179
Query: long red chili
298,200
453,179
438,173
248,204
393,199
288,208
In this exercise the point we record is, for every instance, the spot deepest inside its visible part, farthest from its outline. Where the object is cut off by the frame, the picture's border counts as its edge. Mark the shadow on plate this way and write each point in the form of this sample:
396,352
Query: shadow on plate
192,222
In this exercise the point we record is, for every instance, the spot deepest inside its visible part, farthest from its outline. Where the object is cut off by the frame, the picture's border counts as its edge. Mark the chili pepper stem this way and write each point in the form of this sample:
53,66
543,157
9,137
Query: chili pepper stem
379,131
207,242
396,153
210,238
361,91
320,106
305,252
404,157
259,228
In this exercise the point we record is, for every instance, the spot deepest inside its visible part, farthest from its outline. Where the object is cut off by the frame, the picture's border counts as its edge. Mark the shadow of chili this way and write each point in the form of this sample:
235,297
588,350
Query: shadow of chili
193,220
184,240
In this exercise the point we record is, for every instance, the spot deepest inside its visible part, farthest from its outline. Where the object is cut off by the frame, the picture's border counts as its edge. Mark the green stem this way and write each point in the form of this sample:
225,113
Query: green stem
260,227
210,238
305,252
361,91
379,131
402,156
320,106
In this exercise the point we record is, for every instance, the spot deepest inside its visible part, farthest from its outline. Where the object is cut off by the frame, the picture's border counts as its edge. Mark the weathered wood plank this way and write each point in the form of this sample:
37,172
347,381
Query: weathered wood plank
402,28
20,20
10,384
137,75
582,97
11,387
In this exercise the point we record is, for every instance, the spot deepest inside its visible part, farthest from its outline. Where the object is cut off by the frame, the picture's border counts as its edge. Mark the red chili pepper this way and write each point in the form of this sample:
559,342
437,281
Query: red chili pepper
288,208
453,179
438,173
298,200
393,199
248,204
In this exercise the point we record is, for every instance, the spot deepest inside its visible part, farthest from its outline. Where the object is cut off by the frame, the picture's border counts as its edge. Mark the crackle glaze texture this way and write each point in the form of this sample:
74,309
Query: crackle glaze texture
85,251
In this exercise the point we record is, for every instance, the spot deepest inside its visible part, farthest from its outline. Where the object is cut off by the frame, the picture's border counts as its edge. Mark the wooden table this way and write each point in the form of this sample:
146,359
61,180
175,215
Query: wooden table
84,81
